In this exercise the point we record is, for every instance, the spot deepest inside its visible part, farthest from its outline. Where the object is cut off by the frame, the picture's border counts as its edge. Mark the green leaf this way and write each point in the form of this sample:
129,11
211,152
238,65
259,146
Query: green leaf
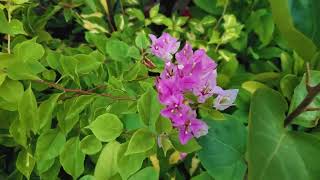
11,91
53,172
46,109
19,132
13,28
128,164
117,50
86,63
90,145
287,85
2,77
307,119
261,22
107,163
149,108
210,112
134,53
148,173
202,176
28,51
50,144
25,163
163,125
298,24
141,141
68,66
142,41
28,111
136,13
99,40
106,127
154,10
273,151
87,177
208,6
120,21
78,105
222,153
72,158
232,29
190,147
44,165
160,19
252,86
132,73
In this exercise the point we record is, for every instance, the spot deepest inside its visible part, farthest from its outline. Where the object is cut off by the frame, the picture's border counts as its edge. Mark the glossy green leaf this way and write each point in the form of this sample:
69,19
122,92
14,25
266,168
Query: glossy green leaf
273,151
50,144
28,51
28,111
19,131
287,85
107,163
53,172
142,41
149,108
90,145
148,173
163,125
154,10
44,165
86,63
25,163
78,105
128,164
46,109
141,141
208,6
191,146
106,127
117,50
72,158
11,91
222,153
13,28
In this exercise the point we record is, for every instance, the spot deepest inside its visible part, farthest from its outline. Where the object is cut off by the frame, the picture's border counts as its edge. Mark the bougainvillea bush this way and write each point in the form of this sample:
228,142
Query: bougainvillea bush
146,90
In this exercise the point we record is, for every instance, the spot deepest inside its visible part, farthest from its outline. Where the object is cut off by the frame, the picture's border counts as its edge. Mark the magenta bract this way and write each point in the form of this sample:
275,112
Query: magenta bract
190,71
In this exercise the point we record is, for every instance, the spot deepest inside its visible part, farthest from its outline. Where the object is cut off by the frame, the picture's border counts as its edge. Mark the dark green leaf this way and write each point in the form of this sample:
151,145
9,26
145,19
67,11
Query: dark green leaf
273,151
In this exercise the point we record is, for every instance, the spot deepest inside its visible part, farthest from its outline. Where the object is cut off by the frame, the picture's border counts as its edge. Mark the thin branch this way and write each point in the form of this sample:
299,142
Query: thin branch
308,85
313,92
83,92
9,20
224,11
312,109
109,18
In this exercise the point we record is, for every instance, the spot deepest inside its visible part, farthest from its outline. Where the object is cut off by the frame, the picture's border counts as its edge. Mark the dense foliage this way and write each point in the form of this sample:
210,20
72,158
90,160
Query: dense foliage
81,89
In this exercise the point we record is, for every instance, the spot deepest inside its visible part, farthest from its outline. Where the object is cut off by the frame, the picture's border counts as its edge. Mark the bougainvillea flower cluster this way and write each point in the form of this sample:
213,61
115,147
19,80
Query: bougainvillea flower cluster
190,71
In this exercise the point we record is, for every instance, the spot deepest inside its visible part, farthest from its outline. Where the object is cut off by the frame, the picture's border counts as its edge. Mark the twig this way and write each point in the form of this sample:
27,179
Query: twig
83,92
9,20
312,93
109,17
313,109
308,77
223,12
